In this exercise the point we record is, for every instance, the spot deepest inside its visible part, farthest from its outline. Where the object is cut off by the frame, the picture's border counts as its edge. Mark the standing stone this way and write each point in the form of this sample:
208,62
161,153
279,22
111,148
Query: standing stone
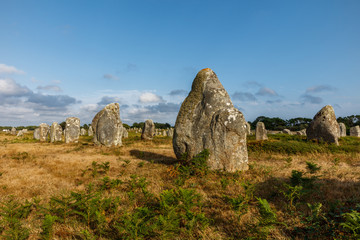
44,129
13,131
82,132
324,126
170,132
260,132
149,130
286,131
302,132
72,130
20,133
37,134
208,120
55,132
125,133
355,131
90,131
342,129
107,126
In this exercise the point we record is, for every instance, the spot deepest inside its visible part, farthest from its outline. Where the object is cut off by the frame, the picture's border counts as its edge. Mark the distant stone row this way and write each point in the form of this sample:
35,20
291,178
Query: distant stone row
323,127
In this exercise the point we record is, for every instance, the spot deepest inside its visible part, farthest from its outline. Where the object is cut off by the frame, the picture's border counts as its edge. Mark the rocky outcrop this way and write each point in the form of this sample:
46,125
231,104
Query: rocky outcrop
149,130
107,126
260,132
324,126
208,120
72,130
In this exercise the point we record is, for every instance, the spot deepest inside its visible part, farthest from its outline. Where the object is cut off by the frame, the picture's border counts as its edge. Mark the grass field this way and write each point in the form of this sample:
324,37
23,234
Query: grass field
294,189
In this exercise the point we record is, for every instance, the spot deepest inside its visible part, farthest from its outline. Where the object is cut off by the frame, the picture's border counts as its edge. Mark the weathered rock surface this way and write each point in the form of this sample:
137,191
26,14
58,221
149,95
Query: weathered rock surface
44,129
355,131
149,130
107,126
342,129
72,130
55,132
208,120
37,134
170,132
90,131
260,132
324,126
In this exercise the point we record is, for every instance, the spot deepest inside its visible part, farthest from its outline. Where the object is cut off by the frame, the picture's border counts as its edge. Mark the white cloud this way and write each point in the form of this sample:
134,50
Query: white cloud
53,88
264,91
149,97
8,87
6,69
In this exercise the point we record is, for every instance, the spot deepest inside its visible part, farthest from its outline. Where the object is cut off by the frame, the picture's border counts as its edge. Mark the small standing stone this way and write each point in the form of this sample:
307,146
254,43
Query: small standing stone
44,132
148,130
260,133
20,133
125,133
90,131
37,134
286,131
55,132
342,129
248,128
82,132
72,130
324,126
13,131
355,131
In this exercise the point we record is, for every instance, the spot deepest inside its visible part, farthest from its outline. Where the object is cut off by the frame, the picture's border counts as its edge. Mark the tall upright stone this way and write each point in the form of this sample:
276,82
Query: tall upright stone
72,130
342,129
260,132
208,120
149,130
44,129
90,131
107,126
324,126
355,131
55,132
37,134
125,133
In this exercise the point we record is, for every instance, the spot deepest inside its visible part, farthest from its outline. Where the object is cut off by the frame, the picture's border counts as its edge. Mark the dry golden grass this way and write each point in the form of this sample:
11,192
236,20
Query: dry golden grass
31,169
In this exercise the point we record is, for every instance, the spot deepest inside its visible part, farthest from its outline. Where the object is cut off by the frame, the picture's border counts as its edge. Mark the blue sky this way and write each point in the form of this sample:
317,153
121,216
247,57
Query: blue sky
275,58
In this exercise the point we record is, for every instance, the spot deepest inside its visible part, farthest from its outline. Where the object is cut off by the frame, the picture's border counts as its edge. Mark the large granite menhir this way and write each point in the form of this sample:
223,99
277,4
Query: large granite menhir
72,130
324,126
107,126
208,120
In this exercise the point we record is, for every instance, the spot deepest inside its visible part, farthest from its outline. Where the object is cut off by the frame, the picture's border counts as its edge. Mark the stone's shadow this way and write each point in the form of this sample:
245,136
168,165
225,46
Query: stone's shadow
153,157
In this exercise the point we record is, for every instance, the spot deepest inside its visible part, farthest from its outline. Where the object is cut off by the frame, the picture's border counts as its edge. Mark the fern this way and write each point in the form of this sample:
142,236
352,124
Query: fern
352,223
268,216
47,227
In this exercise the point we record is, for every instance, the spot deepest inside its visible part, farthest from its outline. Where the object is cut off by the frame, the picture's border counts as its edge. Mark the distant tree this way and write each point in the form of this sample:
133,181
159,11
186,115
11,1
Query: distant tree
126,126
86,126
63,125
270,123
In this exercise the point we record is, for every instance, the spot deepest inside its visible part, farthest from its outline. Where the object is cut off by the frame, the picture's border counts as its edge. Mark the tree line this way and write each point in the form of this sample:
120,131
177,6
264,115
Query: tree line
296,124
